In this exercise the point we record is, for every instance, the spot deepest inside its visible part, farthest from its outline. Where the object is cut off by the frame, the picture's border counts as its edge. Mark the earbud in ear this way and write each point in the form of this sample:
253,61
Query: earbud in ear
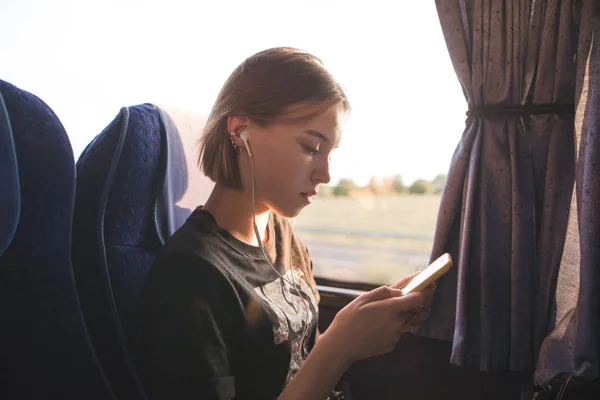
244,138
235,147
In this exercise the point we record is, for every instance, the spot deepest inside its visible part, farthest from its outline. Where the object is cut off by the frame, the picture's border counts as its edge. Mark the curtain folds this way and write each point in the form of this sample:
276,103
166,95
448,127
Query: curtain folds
505,209
572,345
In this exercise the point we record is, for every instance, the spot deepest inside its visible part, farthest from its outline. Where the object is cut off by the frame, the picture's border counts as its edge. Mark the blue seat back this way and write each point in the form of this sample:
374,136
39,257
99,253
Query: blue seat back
131,186
10,201
45,350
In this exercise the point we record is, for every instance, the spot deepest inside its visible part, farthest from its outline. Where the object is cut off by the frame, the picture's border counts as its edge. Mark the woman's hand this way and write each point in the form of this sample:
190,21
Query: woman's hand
370,325
373,323
422,313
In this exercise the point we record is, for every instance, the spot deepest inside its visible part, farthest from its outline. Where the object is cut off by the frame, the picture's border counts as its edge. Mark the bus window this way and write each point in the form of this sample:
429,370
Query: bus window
374,223
375,220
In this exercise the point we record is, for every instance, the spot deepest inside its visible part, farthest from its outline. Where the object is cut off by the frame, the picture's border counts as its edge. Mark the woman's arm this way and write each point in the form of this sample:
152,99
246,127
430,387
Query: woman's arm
186,324
321,371
317,336
370,325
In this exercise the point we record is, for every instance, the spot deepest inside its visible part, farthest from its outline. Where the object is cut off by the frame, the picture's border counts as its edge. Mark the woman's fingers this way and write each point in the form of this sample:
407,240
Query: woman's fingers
419,317
407,303
381,293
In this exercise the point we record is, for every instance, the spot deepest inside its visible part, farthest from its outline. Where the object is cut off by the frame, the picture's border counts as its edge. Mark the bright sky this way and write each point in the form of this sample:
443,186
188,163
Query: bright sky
88,59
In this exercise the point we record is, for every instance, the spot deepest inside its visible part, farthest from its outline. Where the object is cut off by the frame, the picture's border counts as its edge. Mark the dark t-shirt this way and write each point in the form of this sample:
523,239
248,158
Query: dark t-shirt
215,321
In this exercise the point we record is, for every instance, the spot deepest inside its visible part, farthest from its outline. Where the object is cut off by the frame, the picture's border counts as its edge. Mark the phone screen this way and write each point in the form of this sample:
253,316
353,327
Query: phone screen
424,278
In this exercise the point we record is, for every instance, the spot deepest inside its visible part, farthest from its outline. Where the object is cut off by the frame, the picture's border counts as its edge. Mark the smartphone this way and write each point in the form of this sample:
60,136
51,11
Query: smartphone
433,272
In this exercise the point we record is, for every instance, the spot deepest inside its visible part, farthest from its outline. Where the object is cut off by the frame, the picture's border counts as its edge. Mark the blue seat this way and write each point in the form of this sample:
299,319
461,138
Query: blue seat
45,350
10,196
133,192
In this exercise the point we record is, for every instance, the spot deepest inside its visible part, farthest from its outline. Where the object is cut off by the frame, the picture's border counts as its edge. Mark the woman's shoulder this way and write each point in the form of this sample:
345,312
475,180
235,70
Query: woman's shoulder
198,229
186,278
201,253
180,267
199,241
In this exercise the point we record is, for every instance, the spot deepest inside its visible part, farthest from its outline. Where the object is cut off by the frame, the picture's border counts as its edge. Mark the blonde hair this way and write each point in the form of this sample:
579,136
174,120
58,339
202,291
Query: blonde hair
263,88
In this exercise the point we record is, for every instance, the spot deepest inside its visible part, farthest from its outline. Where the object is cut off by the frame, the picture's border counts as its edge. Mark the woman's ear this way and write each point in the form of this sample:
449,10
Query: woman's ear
236,124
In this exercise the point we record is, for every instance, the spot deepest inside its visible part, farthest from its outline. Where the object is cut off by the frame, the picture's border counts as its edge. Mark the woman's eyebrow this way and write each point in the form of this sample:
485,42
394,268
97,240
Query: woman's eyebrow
317,134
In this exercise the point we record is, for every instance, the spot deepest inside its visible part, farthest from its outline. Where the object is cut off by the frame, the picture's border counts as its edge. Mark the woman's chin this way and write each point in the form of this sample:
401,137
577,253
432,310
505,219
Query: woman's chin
288,212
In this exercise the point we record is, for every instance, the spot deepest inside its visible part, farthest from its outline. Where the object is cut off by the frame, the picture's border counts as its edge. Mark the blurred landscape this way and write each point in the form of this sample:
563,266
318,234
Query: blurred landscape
378,233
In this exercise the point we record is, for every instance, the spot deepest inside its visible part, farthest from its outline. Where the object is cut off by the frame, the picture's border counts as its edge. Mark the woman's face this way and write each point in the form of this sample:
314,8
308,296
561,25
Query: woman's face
291,160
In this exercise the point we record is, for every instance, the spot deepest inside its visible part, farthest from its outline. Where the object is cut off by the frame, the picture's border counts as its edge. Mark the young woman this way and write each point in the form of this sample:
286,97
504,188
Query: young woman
230,307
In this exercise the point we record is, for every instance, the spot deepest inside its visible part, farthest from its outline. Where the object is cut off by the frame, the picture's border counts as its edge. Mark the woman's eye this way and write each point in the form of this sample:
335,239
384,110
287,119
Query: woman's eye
310,150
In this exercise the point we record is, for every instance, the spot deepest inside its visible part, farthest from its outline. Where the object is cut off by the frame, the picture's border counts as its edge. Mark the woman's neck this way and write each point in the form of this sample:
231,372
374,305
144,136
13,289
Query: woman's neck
232,209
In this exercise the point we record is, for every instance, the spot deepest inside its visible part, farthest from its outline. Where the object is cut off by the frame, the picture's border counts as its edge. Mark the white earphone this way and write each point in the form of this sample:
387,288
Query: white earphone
297,287
244,138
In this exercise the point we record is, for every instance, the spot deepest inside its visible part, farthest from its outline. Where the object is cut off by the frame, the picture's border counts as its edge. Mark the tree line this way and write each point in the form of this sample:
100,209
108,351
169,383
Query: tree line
387,185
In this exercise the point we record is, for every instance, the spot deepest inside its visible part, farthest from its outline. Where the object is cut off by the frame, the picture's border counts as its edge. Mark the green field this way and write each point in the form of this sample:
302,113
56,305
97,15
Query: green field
362,226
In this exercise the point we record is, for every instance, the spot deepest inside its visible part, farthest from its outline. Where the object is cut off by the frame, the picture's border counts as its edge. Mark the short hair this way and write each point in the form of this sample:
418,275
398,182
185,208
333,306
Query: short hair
262,88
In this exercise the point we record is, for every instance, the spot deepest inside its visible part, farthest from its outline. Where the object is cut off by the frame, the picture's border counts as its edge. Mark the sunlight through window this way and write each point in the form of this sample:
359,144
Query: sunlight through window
375,221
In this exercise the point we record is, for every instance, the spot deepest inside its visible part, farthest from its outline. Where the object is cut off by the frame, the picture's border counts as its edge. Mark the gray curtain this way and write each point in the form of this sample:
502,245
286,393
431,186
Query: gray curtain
505,208
572,346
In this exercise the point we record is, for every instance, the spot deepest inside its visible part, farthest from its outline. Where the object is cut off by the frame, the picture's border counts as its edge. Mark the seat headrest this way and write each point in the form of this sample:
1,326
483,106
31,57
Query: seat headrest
147,159
10,198
184,186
